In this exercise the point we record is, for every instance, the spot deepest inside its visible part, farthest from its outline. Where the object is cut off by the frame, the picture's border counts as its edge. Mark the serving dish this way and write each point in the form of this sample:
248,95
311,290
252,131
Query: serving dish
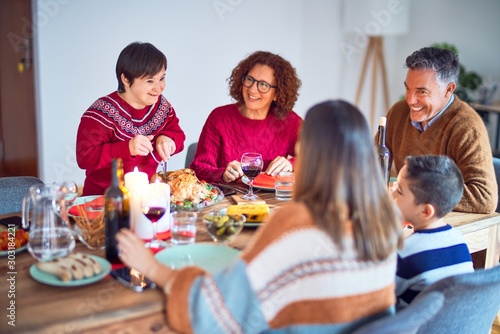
50,279
246,223
73,209
21,238
17,250
215,197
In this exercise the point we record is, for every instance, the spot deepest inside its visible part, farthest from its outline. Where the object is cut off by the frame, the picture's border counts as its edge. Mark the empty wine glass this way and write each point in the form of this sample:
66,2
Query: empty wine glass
251,164
154,204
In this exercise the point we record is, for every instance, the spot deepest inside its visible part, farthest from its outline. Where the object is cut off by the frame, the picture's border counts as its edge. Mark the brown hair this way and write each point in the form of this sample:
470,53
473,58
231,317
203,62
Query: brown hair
286,80
338,179
139,60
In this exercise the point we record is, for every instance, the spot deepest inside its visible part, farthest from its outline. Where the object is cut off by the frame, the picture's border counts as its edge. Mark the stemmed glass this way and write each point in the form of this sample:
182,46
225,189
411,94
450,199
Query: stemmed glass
154,204
251,164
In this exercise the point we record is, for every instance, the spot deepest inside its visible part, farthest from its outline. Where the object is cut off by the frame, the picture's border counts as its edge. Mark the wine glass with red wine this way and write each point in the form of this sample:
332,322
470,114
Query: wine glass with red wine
251,164
154,204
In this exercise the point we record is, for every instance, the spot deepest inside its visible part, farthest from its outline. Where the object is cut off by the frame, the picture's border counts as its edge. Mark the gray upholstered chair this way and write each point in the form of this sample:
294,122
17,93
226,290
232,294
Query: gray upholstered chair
190,154
471,303
408,320
12,191
496,166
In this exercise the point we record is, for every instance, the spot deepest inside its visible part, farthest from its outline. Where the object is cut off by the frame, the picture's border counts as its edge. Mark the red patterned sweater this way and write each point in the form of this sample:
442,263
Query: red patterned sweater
227,134
105,131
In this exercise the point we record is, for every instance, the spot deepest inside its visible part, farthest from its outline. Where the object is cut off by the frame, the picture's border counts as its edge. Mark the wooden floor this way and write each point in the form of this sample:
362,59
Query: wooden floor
496,327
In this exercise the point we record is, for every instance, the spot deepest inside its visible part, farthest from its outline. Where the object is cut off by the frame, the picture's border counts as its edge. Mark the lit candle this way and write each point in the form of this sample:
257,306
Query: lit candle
163,226
136,183
135,179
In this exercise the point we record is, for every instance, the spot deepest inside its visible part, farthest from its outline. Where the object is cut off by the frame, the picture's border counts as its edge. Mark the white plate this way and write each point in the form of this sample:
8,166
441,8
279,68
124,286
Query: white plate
49,279
210,257
81,200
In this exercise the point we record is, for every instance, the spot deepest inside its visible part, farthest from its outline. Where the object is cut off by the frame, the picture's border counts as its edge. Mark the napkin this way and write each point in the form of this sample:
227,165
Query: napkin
98,202
263,180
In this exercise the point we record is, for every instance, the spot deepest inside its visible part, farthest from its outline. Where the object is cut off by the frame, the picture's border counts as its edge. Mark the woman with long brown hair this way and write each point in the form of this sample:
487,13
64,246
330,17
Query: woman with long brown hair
323,263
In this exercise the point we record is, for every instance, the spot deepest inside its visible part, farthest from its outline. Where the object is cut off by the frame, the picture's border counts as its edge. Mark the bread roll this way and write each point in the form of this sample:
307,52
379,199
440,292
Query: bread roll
72,267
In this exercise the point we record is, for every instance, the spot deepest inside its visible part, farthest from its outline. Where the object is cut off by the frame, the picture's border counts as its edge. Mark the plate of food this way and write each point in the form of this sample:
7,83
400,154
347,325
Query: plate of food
76,269
255,214
262,181
187,192
12,239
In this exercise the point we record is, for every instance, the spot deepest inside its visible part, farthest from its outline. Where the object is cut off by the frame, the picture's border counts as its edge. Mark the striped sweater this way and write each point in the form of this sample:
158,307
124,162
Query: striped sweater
428,256
291,278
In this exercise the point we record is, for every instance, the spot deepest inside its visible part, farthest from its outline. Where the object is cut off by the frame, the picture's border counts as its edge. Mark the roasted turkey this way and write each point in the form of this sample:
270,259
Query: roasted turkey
184,185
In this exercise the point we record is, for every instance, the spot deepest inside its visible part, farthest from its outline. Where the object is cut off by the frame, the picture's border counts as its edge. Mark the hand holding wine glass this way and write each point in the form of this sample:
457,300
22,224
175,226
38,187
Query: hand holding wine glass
155,203
251,164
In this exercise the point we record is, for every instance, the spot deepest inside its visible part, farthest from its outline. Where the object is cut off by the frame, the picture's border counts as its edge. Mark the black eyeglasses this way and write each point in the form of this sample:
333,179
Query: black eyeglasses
262,86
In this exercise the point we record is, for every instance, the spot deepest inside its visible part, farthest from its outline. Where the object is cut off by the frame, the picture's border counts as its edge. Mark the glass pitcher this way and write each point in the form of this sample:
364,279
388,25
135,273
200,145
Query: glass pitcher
50,233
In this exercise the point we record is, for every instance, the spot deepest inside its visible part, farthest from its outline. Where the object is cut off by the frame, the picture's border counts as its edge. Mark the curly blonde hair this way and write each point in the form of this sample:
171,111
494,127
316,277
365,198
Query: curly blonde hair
286,80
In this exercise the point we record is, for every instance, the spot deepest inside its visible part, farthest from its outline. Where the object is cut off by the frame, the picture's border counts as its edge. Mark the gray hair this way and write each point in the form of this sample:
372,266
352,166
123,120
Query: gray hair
443,62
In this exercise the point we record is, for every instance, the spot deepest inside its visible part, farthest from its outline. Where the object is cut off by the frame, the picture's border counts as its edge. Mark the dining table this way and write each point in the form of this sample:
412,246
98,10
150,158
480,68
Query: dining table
107,306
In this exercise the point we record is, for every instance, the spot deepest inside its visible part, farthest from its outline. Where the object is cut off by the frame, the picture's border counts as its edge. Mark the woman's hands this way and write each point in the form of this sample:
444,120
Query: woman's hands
165,146
232,172
141,145
134,255
279,164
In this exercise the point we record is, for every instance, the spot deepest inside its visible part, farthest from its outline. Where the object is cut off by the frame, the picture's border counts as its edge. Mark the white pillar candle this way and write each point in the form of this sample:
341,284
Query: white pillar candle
136,183
164,223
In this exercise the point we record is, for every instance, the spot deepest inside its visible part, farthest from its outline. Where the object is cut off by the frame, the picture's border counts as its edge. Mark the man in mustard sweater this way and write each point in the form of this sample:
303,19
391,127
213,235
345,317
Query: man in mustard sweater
433,120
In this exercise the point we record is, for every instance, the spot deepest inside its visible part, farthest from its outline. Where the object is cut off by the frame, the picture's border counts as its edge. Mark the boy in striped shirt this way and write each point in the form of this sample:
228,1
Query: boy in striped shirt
428,187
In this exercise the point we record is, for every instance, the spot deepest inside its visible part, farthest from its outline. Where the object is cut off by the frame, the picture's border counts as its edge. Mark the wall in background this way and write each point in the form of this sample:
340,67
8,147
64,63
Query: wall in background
78,42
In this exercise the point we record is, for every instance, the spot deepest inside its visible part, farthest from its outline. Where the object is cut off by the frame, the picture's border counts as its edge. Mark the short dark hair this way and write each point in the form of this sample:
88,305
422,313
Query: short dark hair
444,62
139,60
287,82
435,180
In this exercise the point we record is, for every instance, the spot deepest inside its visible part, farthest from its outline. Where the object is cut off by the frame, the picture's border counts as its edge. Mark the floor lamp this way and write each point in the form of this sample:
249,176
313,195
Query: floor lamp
375,53
368,21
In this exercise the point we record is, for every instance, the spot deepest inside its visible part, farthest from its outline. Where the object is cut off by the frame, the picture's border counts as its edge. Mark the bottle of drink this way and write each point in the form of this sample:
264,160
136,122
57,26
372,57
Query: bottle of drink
384,156
116,209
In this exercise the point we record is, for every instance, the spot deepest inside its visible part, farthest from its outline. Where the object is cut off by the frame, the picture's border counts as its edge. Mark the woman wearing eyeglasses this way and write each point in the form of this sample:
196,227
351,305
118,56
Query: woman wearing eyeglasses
265,87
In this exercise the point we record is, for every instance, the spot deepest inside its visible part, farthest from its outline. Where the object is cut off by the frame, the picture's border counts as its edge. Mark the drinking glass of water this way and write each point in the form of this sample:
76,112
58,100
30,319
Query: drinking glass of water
183,224
283,184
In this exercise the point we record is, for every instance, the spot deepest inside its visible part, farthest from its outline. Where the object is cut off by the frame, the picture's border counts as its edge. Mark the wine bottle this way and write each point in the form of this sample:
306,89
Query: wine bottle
116,209
384,156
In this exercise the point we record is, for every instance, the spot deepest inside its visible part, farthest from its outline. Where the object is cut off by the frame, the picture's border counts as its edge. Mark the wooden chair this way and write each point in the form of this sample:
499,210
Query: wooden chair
12,191
408,320
471,302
